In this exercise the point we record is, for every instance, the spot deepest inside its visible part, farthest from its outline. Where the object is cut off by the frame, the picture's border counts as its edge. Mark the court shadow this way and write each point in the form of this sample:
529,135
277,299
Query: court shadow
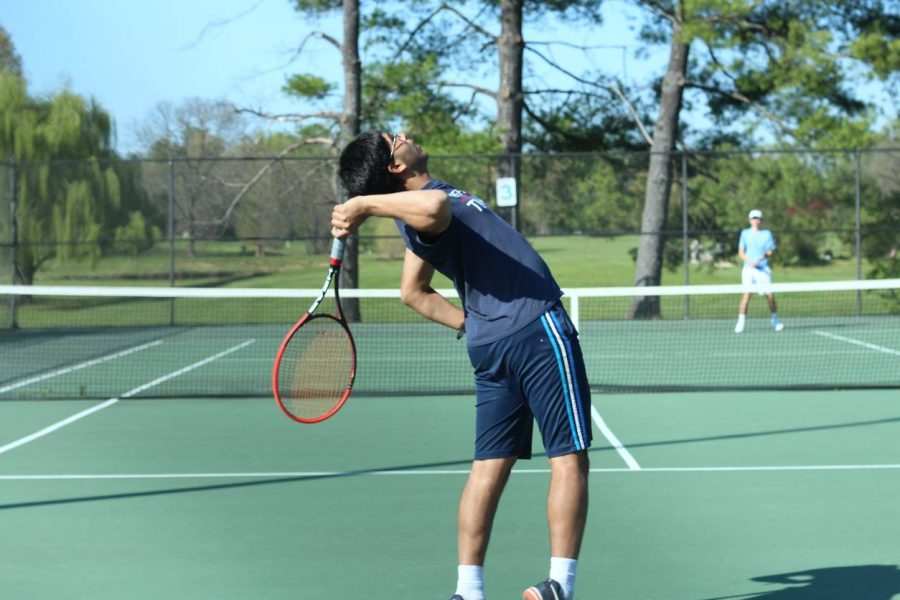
597,449
863,582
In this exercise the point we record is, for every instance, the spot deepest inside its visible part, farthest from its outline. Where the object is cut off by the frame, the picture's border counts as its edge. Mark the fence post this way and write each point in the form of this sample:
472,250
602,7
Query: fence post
14,237
858,231
684,232
170,234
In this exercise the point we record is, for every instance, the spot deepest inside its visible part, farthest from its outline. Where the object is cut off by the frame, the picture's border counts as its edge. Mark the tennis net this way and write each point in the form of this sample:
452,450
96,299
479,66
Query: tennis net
105,342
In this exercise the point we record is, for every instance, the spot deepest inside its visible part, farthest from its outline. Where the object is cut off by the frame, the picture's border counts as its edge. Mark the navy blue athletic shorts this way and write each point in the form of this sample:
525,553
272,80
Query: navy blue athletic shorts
535,374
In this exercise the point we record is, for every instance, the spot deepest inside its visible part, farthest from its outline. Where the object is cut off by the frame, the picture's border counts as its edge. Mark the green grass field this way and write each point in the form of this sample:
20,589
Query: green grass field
576,261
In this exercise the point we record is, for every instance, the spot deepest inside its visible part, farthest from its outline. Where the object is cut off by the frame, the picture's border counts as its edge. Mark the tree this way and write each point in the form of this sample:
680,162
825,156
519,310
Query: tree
310,87
408,85
288,197
659,173
509,46
784,63
510,97
10,61
881,209
194,132
69,196
349,129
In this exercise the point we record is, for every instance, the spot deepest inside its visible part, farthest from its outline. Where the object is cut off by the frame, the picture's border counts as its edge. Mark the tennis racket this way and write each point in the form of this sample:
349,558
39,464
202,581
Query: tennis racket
316,363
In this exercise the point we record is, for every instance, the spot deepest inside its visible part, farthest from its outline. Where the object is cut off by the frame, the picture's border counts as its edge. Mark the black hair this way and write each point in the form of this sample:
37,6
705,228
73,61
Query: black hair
364,166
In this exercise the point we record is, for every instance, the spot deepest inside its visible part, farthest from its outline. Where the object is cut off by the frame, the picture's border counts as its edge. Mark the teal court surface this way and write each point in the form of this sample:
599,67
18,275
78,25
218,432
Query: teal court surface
739,495
142,456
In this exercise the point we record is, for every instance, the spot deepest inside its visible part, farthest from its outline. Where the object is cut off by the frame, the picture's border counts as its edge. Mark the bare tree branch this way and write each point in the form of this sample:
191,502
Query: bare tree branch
735,95
324,36
262,172
415,31
421,25
219,23
314,34
325,114
545,124
470,22
534,115
576,46
555,91
632,111
475,88
296,54
465,109
658,8
612,87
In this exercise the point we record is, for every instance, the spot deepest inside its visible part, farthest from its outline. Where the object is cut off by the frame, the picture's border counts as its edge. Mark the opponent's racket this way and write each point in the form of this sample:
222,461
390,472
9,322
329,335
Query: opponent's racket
316,363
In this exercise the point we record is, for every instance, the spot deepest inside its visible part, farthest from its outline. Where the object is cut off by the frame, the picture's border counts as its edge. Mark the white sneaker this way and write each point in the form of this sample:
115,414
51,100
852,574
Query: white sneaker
739,328
778,325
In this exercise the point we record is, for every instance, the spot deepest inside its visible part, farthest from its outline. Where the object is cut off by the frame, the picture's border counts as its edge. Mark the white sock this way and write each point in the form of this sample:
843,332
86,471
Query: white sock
470,582
741,318
563,571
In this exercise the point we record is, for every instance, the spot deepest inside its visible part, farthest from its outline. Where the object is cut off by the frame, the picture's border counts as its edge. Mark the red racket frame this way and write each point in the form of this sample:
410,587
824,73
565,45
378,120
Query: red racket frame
334,268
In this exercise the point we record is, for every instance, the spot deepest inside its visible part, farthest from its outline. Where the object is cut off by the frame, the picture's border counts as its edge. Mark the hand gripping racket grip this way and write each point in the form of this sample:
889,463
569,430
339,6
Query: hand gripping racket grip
337,253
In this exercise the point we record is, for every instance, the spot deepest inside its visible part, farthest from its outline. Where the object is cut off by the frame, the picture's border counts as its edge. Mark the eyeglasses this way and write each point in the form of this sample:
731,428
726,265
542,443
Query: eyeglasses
394,140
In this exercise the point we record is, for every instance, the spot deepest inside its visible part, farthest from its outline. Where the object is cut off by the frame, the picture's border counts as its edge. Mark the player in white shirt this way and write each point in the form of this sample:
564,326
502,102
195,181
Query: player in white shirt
755,247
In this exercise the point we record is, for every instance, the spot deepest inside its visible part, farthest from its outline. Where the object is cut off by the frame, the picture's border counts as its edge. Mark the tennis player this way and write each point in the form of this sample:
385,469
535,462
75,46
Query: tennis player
755,247
524,349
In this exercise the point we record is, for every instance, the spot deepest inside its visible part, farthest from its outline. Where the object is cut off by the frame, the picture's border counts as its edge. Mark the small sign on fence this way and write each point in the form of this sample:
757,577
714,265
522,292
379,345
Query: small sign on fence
506,191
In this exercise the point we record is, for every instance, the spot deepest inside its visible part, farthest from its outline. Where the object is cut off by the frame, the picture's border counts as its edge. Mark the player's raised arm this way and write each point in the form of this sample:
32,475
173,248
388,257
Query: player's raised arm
427,211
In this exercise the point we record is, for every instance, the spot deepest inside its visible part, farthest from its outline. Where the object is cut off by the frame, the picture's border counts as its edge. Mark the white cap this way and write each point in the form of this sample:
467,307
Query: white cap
755,214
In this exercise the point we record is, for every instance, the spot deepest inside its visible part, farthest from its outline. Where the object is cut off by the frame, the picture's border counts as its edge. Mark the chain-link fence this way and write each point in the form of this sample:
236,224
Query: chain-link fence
63,218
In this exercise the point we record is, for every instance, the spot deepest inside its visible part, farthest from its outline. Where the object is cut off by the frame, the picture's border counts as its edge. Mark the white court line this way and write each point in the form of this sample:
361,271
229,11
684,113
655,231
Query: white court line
858,343
57,425
111,401
614,441
184,370
457,472
79,366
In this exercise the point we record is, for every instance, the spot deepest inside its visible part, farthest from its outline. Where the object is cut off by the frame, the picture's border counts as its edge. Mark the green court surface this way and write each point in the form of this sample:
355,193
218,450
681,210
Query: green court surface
775,495
236,360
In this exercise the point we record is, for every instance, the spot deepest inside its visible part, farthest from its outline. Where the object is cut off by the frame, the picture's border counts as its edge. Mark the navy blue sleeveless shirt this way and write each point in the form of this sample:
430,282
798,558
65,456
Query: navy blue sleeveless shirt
503,283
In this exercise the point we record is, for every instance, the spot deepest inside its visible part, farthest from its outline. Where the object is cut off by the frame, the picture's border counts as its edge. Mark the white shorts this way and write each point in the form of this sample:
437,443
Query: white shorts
757,280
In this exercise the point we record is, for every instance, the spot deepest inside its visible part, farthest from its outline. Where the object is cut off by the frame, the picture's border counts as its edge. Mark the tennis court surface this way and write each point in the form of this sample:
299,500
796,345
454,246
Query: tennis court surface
129,482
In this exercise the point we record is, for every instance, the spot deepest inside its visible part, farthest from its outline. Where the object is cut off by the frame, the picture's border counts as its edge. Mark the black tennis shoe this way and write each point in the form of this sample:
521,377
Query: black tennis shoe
545,590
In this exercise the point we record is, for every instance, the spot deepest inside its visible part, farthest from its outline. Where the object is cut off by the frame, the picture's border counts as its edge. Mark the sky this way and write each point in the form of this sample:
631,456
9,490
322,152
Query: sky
131,55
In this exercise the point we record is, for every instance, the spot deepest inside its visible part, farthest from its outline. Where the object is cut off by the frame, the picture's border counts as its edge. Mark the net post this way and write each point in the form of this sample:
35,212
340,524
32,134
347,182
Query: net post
575,309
